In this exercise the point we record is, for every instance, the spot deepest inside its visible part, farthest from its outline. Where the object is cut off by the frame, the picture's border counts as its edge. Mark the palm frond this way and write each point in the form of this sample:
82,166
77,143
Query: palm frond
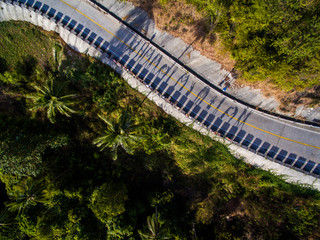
69,96
109,123
119,133
50,97
6,219
156,231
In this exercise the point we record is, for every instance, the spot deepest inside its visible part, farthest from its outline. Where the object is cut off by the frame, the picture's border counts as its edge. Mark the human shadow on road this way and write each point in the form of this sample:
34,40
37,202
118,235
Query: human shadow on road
219,105
183,80
243,117
202,95
230,113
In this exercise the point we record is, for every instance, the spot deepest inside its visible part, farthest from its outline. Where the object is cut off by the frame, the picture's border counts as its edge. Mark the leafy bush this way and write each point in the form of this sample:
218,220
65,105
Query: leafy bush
270,39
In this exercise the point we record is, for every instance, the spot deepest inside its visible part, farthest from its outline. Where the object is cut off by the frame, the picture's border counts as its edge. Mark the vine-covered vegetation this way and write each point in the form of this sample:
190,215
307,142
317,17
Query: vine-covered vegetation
82,158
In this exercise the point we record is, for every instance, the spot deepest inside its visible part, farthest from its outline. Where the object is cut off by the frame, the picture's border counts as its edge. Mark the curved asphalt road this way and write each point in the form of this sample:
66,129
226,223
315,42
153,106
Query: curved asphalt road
294,144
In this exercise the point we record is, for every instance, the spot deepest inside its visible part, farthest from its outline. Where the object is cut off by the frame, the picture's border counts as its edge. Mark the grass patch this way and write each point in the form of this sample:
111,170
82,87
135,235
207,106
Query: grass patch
25,45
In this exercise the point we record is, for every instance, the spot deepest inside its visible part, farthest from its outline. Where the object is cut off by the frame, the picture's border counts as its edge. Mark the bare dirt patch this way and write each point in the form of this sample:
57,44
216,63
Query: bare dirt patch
289,100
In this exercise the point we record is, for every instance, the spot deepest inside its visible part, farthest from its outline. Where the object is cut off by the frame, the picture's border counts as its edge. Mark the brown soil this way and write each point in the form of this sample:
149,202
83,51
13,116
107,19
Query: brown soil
289,100
184,21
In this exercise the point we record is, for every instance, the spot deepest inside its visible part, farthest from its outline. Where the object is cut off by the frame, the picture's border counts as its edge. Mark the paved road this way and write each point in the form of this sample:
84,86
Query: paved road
291,143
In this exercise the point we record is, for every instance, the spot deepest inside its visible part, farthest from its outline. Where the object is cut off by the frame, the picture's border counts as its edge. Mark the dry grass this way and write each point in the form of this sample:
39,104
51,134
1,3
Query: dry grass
182,20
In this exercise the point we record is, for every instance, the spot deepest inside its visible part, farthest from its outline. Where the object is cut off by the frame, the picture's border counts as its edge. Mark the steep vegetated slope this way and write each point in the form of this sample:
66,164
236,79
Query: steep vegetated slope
270,41
154,177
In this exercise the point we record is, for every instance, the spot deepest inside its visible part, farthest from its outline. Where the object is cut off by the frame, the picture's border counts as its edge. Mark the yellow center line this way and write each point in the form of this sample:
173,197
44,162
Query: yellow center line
239,120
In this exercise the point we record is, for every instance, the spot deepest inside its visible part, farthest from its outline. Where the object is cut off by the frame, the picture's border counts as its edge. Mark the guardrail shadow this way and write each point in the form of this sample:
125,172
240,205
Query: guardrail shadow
265,149
234,132
220,125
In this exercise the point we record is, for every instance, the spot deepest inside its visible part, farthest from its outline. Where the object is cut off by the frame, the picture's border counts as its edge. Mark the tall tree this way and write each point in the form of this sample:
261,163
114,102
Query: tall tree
51,98
121,133
108,201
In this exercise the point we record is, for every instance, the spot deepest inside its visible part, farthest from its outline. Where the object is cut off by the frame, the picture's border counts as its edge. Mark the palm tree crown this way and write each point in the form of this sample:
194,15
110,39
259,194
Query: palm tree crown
29,194
156,231
51,97
118,134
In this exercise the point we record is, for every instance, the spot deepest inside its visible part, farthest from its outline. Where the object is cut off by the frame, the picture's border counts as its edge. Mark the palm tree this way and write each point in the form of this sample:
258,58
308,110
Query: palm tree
30,193
156,231
51,97
118,134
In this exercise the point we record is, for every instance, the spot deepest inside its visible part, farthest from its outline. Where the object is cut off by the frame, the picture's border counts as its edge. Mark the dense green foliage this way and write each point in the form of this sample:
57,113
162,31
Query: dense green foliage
108,201
269,39
176,184
23,143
